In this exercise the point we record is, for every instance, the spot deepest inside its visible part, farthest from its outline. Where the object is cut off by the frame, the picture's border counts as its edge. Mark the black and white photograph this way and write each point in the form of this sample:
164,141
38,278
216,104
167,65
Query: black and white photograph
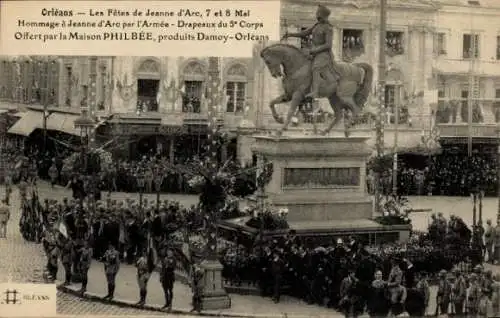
350,168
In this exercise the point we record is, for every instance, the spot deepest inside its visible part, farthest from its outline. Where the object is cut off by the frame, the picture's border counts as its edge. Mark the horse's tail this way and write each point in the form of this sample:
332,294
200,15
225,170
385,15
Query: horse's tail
361,95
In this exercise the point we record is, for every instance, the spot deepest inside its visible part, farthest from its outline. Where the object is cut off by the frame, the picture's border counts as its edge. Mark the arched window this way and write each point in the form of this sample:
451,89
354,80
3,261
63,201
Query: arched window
236,88
194,76
148,86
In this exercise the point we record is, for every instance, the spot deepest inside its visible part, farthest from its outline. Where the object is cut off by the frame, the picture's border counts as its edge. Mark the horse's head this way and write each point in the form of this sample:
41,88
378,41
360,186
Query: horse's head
282,59
273,61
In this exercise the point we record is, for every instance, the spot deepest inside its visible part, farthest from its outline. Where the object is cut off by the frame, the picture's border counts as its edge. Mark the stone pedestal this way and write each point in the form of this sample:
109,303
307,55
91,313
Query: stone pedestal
214,295
318,178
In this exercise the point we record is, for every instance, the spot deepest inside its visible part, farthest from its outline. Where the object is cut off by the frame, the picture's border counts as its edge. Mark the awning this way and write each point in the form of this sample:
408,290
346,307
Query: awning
28,122
63,122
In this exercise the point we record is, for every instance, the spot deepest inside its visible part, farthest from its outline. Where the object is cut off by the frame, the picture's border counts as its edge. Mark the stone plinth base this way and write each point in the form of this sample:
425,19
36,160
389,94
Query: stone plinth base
318,178
214,295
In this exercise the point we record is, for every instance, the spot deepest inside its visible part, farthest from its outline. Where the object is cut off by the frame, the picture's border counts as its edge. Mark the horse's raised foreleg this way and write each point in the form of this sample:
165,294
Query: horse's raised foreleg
272,105
296,99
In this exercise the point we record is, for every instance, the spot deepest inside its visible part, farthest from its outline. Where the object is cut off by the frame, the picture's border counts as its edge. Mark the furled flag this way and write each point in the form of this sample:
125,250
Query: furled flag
158,95
121,238
63,228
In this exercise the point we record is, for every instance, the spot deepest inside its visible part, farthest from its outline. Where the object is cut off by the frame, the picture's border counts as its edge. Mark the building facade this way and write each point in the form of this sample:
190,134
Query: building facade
467,69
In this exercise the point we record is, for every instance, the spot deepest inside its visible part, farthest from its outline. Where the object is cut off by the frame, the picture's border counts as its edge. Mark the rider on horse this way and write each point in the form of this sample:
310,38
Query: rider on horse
321,51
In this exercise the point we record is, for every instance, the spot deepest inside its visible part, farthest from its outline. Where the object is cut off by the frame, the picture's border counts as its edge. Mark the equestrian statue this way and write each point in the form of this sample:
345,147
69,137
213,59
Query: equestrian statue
309,74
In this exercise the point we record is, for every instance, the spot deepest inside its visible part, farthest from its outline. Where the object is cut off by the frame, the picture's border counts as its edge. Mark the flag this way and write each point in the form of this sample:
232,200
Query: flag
63,229
158,96
121,238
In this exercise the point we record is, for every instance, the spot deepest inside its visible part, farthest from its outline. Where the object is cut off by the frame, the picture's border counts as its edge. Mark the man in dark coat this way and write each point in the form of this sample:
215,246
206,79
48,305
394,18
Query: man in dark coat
408,273
277,268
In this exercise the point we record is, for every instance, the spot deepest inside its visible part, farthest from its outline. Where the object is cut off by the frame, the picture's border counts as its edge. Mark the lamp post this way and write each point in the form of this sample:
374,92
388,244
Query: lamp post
481,196
379,127
140,183
158,182
498,171
48,63
85,124
214,294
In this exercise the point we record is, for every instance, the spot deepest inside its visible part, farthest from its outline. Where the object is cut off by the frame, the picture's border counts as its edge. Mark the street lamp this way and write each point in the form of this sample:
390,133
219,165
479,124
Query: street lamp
85,124
140,183
158,179
498,170
47,64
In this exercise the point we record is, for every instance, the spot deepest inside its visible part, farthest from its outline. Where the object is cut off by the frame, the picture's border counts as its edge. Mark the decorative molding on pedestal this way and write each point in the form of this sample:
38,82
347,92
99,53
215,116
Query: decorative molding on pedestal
312,146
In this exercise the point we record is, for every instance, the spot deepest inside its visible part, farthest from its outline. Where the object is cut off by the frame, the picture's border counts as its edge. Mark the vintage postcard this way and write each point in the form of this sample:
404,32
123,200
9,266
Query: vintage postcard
293,158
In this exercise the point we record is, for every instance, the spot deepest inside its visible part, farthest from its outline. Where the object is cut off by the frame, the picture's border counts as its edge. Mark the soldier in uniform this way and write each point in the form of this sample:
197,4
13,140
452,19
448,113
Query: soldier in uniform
167,277
321,35
53,255
496,242
443,294
488,241
67,260
53,173
423,289
111,267
473,295
85,261
277,268
394,281
197,287
458,292
4,218
143,274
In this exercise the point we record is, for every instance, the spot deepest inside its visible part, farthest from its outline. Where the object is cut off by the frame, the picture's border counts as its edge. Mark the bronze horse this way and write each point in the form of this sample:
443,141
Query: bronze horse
349,92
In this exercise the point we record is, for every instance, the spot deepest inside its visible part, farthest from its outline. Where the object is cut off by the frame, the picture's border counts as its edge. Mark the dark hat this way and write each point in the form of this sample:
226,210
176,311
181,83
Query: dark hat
323,11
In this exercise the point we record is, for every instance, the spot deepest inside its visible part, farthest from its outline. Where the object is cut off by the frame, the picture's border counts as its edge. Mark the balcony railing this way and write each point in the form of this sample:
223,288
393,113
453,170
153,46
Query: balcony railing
463,130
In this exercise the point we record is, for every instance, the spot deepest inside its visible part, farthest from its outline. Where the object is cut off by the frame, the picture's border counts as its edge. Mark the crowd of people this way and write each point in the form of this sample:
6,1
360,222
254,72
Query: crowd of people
77,232
355,278
449,174
454,175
